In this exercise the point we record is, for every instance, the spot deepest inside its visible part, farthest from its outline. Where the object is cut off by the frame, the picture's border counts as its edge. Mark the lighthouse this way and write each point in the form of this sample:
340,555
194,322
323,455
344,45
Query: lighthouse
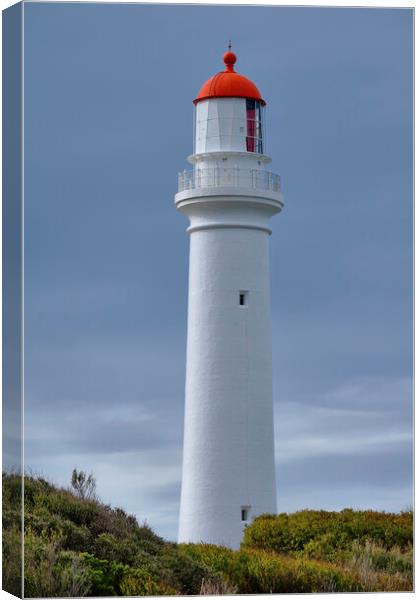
229,196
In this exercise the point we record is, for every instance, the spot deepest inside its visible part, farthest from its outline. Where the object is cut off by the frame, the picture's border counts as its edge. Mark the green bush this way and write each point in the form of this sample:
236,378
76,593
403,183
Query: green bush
259,572
218,558
270,573
119,524
51,572
104,576
76,537
63,504
393,561
12,560
120,550
321,532
78,547
12,490
185,573
386,565
110,578
34,486
138,582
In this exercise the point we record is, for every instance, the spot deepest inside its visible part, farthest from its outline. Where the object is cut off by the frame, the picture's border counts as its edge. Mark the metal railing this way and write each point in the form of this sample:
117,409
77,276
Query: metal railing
228,177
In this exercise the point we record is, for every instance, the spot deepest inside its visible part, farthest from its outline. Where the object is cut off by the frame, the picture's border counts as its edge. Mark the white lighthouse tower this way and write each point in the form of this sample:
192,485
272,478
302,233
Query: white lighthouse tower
228,463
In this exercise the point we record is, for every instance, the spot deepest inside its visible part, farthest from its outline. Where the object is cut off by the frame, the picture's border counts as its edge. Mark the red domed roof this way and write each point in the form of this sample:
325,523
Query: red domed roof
228,84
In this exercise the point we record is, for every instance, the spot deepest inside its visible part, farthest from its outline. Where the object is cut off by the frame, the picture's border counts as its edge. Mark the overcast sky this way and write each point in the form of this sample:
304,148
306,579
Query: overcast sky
108,125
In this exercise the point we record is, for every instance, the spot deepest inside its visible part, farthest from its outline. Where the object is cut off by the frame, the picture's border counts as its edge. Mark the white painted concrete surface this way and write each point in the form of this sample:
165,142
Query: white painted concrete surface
228,461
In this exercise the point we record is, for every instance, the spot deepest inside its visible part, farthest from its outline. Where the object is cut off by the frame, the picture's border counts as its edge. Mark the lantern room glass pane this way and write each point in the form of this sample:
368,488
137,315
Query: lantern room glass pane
254,116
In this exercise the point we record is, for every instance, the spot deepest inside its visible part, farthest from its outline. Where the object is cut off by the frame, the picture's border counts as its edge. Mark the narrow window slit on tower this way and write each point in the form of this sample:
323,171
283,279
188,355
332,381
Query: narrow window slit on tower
242,298
245,513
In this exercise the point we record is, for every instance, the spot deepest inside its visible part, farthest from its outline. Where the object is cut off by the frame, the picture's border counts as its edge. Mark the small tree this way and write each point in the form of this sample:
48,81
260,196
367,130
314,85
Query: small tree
84,485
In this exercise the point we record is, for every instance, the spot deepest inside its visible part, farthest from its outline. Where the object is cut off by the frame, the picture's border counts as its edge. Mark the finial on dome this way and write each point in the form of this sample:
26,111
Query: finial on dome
229,58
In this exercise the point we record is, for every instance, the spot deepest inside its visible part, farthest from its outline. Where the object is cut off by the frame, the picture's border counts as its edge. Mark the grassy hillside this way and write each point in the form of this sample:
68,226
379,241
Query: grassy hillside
77,546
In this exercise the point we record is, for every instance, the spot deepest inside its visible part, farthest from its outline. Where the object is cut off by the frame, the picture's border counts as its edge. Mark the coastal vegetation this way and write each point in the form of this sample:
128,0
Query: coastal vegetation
77,546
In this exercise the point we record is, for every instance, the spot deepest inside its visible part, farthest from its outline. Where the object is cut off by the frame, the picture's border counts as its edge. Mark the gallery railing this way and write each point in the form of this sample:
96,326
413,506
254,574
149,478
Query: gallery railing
228,177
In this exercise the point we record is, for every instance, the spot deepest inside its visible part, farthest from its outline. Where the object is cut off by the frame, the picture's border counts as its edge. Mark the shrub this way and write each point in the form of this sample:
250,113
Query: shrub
71,575
185,573
63,504
219,558
259,572
115,522
323,547
75,537
104,576
110,578
211,588
145,533
138,582
269,573
393,561
12,490
50,572
108,547
34,486
12,560
380,566
79,547
322,532
84,486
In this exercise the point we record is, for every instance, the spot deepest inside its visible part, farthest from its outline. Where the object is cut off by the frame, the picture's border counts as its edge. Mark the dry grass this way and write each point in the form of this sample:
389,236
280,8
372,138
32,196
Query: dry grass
378,568
217,588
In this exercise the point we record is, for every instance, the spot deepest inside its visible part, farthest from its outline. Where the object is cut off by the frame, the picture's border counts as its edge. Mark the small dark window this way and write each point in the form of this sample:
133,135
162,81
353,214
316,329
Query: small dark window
244,514
242,298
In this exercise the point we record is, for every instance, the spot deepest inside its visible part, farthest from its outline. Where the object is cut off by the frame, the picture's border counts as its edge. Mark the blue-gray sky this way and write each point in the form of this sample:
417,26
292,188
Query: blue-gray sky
108,124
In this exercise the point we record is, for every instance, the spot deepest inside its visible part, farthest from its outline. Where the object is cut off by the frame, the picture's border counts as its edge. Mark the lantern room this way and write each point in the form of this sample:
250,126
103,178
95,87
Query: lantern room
229,113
